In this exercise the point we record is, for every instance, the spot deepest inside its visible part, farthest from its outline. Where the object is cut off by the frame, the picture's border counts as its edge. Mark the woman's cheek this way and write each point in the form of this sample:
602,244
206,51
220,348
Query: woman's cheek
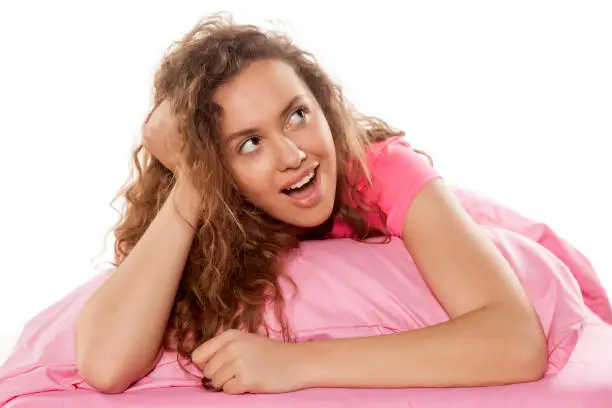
255,177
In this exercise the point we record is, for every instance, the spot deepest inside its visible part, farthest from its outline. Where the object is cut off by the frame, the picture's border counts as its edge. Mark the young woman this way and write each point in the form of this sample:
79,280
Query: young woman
249,149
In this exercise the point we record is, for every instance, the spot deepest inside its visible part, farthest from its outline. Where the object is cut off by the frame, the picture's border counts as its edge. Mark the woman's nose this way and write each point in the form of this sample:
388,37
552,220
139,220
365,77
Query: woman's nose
289,154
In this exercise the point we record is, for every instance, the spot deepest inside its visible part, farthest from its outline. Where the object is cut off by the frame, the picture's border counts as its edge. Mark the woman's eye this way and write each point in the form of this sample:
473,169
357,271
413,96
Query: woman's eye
249,145
300,114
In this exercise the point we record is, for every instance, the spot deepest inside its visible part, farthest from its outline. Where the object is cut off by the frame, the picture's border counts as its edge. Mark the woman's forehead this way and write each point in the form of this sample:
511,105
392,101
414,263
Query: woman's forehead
261,92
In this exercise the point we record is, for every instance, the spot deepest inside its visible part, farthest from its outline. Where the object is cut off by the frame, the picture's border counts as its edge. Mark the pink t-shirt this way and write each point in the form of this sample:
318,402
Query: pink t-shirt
398,175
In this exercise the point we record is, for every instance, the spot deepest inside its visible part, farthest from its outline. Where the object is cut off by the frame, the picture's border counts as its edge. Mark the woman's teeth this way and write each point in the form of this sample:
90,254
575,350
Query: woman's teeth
303,181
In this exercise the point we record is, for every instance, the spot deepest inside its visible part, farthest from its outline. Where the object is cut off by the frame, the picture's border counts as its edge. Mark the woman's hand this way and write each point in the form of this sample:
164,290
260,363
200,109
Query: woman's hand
160,135
238,362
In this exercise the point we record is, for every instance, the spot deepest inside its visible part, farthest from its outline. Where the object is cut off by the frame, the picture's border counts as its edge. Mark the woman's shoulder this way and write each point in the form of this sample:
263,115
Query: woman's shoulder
375,149
390,140
398,173
395,156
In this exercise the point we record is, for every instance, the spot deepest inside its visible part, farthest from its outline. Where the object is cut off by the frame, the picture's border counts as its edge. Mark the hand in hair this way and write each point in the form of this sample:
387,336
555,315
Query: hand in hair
160,135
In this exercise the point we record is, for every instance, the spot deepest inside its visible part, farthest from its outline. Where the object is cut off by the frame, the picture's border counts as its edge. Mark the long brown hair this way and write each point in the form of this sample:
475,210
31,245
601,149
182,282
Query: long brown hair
233,267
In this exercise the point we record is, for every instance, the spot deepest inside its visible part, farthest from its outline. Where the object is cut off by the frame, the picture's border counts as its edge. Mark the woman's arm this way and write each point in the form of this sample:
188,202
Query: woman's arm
119,330
494,335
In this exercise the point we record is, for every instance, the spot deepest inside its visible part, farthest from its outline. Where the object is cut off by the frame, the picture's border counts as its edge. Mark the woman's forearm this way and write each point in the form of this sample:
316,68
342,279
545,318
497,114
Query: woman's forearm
489,346
120,328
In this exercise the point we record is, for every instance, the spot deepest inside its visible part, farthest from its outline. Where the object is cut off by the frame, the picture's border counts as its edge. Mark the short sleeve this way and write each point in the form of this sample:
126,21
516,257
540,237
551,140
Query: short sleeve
398,175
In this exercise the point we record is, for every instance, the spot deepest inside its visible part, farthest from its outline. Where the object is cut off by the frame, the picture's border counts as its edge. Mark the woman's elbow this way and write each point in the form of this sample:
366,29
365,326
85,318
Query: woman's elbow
101,380
534,363
529,362
108,387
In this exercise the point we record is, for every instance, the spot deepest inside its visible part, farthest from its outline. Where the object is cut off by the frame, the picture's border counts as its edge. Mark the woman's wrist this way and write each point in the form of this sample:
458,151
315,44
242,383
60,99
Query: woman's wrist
187,200
307,363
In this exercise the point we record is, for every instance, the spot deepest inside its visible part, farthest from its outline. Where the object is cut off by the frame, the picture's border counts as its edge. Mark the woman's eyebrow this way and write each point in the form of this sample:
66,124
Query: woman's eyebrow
284,112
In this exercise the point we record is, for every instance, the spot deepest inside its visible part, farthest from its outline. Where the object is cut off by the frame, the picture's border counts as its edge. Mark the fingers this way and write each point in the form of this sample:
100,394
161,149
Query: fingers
160,135
220,359
222,375
202,354
233,386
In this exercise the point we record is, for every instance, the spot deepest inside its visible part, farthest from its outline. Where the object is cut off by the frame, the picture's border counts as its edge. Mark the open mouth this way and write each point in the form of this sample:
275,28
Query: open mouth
303,185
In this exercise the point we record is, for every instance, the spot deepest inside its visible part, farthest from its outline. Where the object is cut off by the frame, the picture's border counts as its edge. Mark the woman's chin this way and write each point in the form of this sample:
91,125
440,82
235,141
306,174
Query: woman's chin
309,218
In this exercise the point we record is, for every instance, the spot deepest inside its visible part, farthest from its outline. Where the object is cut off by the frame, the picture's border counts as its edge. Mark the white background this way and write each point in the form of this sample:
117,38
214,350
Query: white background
513,99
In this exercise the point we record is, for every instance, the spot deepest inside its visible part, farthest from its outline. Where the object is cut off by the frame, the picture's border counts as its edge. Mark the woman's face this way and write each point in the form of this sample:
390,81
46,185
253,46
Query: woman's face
278,143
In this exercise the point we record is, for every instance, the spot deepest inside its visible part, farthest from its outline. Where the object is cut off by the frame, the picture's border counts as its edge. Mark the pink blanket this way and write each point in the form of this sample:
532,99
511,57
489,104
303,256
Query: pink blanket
377,289
586,382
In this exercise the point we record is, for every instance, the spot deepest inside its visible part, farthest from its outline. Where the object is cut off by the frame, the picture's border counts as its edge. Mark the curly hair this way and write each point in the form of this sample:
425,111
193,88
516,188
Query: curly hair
234,265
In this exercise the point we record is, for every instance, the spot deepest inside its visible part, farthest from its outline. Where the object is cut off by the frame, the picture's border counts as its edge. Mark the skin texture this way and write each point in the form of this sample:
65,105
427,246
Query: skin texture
493,337
282,143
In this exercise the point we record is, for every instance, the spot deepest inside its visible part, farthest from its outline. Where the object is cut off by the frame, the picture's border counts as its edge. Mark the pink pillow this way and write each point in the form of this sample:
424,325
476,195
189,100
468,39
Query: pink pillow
349,289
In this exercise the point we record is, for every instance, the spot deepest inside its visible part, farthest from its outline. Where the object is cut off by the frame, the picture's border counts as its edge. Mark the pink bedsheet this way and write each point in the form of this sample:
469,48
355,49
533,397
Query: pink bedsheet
585,382
42,372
